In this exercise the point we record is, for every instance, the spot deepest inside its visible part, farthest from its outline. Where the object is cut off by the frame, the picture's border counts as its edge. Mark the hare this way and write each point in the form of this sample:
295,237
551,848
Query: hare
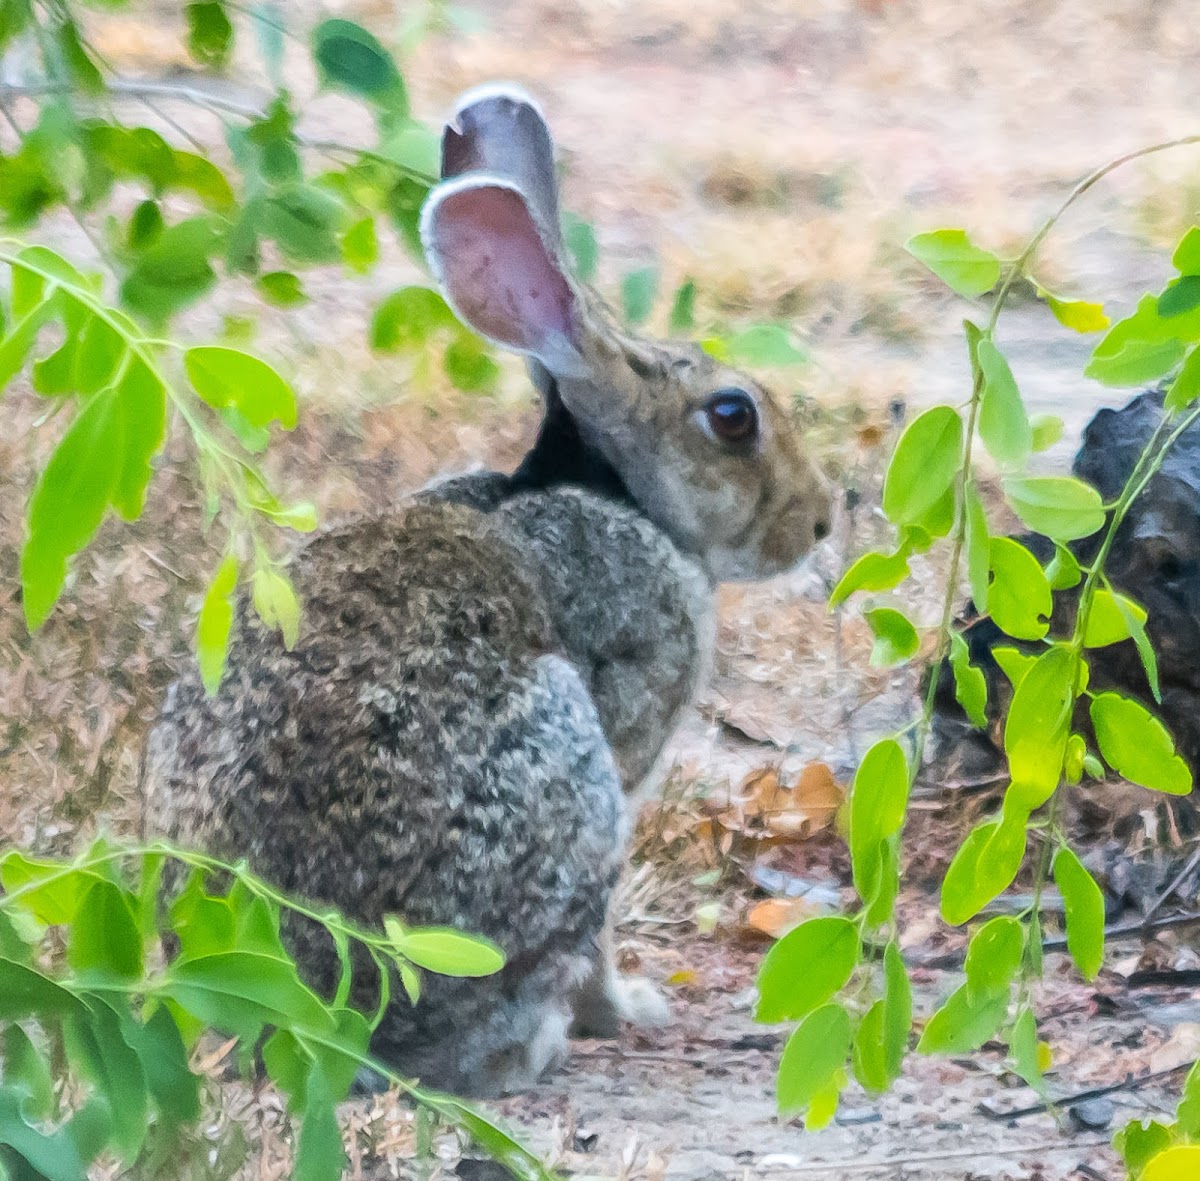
486,671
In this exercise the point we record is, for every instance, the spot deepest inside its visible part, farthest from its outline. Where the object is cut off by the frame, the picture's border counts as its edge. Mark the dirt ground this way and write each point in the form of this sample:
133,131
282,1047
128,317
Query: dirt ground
778,152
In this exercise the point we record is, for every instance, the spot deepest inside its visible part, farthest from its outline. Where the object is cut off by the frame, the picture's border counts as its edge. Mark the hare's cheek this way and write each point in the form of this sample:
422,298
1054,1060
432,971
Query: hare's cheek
792,533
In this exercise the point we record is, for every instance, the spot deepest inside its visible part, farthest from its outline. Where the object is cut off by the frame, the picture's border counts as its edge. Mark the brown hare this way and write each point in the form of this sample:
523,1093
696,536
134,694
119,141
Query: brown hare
485,671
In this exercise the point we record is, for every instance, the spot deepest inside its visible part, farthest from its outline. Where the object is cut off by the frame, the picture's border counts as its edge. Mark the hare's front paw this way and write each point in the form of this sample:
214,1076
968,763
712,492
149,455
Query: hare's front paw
606,1000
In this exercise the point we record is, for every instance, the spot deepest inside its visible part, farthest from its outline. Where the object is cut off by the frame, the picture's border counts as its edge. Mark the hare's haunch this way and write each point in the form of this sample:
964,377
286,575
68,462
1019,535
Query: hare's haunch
485,671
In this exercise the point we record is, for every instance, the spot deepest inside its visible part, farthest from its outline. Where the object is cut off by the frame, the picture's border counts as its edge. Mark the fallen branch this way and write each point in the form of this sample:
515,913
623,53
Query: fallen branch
1066,1101
845,1167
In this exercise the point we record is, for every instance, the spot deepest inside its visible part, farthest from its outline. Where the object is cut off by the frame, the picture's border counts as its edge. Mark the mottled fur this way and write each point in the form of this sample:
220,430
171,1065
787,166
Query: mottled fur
484,671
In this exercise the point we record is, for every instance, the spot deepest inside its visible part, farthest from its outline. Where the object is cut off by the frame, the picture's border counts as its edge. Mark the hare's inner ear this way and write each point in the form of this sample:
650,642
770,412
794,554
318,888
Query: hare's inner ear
499,130
497,272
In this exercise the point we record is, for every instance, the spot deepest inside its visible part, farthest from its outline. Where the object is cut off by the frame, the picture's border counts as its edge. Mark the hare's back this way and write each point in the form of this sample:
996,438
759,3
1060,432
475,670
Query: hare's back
421,724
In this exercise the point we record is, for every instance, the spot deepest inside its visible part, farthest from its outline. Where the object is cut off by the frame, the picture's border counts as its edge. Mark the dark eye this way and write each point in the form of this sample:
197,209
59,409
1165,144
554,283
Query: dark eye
732,415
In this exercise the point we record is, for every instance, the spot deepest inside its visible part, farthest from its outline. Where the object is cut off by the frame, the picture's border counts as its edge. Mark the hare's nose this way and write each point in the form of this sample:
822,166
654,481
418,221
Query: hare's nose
821,528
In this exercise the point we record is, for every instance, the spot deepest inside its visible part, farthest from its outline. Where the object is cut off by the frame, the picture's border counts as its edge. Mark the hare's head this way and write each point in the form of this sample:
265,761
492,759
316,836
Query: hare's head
704,450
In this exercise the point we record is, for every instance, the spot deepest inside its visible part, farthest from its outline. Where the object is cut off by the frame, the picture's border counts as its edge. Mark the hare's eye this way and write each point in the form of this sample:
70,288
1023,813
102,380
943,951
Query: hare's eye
732,416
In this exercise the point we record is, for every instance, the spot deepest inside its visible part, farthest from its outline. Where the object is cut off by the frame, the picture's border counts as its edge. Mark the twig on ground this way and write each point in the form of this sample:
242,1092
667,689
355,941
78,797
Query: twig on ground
1131,1083
1176,882
844,1167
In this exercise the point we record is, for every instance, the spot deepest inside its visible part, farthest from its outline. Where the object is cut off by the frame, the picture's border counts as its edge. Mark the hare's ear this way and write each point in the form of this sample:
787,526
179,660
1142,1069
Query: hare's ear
500,130
490,254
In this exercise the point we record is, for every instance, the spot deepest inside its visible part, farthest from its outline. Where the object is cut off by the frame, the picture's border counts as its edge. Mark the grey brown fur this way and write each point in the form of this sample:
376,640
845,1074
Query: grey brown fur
484,671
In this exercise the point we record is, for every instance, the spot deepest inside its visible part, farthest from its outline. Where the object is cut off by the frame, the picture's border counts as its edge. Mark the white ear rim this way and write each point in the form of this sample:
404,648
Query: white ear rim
559,356
486,90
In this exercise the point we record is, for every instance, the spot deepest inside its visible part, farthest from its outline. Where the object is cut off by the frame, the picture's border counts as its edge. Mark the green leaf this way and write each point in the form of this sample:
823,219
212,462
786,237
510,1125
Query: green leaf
964,1022
241,991
1047,429
56,900
978,544
1039,724
683,308
1180,1163
160,1049
288,1062
983,868
319,1153
68,503
767,345
282,288
1143,346
1073,759
1003,424
103,459
805,968
956,260
45,1157
174,270
1019,597
1137,745
896,639
1186,259
1013,664
1180,296
82,71
104,935
873,572
1140,1142
1023,1049
1184,390
1061,507
878,799
898,1009
1085,912
1063,572
580,239
25,992
210,35
275,601
407,318
1188,1113
924,465
302,222
27,1070
16,346
638,291
813,1060
994,956
360,246
204,924
469,364
226,377
215,623
352,59
445,950
97,1047
970,685
1075,313
1108,620
882,1035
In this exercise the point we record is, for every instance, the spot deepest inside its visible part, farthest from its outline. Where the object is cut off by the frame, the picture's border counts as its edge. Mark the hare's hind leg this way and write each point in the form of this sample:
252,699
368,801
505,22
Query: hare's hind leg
537,846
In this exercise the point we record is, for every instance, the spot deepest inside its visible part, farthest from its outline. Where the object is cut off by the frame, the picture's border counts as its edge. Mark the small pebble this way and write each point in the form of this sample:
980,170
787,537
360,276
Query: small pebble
1092,1115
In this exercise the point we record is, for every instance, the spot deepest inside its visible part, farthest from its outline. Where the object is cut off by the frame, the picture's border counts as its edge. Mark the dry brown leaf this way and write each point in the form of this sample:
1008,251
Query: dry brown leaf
775,917
767,811
1181,1047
